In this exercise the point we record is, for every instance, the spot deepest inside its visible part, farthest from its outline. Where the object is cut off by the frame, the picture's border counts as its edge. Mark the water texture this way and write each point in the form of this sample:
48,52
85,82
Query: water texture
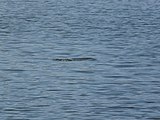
42,77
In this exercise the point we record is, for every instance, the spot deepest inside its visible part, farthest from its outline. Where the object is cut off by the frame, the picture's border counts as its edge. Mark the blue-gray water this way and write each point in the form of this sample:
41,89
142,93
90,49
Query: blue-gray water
123,83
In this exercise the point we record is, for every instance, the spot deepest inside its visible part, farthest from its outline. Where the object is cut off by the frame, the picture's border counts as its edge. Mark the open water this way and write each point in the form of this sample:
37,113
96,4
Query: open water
79,60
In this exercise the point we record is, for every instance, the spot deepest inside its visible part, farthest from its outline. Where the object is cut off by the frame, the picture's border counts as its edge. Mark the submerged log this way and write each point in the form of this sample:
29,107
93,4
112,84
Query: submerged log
75,59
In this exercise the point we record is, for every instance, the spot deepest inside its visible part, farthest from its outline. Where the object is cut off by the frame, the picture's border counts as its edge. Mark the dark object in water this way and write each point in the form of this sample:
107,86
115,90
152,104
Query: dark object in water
74,59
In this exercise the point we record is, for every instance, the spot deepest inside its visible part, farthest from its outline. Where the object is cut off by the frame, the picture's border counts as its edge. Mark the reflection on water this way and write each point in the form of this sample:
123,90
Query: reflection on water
113,51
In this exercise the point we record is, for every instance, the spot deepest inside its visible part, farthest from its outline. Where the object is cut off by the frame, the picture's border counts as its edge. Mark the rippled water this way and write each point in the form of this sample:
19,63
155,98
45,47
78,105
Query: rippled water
121,83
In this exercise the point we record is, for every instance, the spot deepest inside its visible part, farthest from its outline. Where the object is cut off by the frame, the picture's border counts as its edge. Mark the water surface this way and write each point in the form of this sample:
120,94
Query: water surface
121,83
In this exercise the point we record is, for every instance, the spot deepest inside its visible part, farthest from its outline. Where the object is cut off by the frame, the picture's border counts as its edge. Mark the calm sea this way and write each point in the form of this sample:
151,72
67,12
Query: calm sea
43,75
